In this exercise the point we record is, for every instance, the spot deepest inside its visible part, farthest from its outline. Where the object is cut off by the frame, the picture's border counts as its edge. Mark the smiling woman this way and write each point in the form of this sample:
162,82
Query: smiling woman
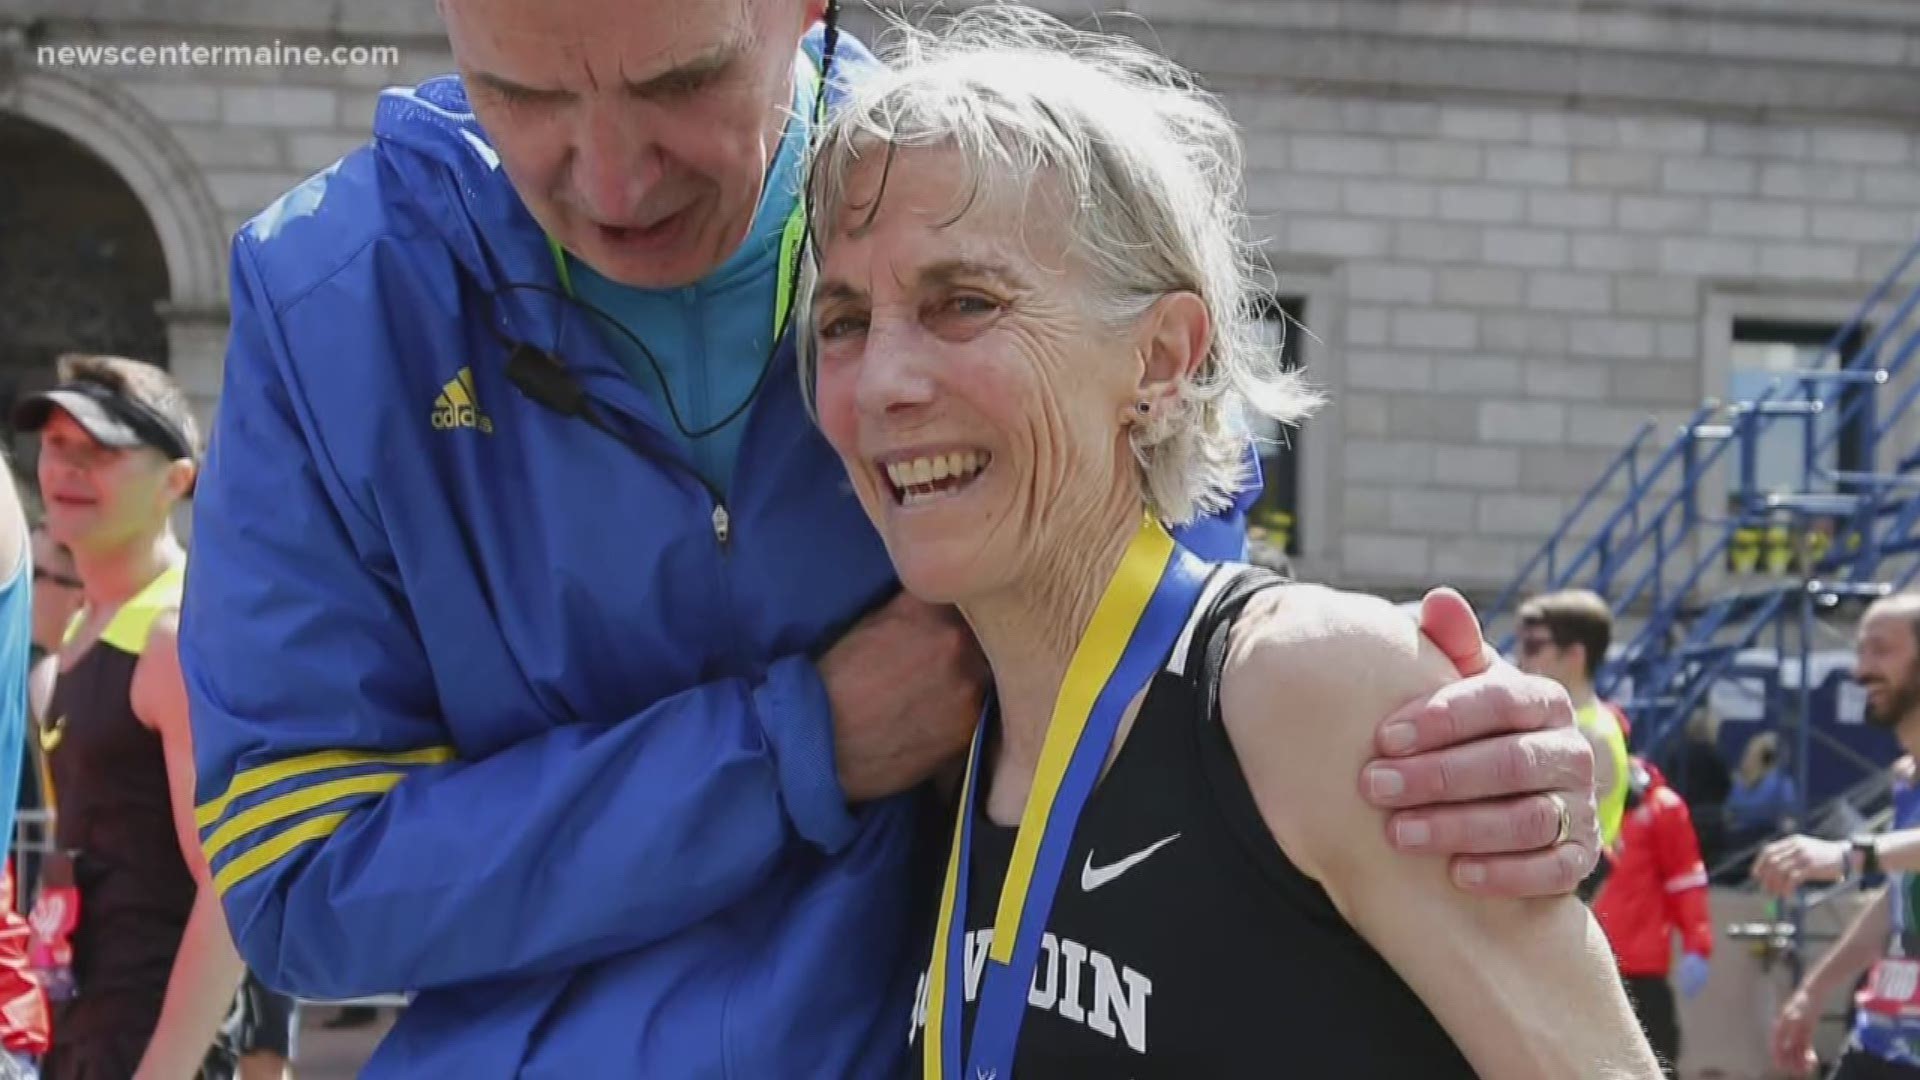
1122,192
1030,339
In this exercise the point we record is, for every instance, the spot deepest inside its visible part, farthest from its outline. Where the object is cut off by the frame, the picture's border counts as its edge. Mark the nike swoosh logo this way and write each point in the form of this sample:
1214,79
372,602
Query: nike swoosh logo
1092,877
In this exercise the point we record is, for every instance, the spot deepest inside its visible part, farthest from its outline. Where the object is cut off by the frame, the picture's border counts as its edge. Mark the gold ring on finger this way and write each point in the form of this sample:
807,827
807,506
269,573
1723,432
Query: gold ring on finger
1566,818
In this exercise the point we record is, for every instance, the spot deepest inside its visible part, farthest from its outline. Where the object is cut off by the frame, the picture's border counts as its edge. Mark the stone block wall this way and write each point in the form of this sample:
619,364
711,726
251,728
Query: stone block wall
1516,287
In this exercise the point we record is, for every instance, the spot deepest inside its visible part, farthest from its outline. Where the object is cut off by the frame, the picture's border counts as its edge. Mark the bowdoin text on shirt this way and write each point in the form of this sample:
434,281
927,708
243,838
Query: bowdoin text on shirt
1084,985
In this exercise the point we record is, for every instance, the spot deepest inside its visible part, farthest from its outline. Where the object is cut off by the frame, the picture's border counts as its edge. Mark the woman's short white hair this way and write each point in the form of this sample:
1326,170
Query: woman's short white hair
1150,165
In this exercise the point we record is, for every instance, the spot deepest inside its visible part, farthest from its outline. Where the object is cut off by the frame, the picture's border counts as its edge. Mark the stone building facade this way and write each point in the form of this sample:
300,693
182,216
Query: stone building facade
1512,229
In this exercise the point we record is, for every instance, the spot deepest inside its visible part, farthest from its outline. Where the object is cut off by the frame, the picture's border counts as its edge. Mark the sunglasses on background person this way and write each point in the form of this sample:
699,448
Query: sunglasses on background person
1532,645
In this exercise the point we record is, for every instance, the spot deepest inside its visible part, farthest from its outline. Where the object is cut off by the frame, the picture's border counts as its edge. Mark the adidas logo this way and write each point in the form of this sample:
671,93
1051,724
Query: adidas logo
457,406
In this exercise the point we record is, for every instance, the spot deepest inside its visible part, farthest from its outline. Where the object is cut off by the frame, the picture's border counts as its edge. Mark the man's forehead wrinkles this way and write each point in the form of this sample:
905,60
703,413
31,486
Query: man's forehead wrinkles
558,58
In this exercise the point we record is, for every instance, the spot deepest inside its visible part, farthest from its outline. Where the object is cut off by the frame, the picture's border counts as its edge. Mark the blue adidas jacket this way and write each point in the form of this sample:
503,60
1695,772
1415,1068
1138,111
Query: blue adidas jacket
483,707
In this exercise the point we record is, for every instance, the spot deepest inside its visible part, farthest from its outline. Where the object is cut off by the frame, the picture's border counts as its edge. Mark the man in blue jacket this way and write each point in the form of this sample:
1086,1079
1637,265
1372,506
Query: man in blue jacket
542,661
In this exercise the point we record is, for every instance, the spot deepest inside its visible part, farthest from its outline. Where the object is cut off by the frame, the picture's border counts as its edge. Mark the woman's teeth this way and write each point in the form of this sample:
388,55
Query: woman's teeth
921,477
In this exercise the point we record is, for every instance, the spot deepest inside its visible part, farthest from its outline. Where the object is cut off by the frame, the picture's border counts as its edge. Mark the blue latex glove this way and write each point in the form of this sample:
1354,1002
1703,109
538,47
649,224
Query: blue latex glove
1692,975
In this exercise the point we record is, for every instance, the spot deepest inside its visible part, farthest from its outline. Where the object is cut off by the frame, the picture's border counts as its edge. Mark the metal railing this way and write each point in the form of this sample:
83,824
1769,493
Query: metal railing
1599,561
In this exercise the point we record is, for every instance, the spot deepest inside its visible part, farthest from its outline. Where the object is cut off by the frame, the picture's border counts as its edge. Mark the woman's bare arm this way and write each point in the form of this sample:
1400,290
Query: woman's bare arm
1526,988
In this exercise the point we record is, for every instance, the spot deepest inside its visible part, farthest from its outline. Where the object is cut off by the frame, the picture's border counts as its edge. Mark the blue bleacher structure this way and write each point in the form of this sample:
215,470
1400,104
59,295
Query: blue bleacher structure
1672,534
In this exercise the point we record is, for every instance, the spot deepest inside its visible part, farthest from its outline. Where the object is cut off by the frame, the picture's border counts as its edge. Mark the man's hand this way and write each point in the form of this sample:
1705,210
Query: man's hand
1792,1040
906,684
1473,770
1785,865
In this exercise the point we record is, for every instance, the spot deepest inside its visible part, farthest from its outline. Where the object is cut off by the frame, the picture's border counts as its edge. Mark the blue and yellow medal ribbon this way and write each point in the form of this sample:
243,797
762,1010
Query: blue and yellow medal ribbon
1145,605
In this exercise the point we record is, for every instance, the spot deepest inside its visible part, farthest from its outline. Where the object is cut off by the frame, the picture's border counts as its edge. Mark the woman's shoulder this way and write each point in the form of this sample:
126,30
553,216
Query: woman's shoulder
1320,634
1310,674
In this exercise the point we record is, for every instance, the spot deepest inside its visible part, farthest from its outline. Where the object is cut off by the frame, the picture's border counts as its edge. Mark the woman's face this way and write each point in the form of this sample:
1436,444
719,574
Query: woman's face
978,407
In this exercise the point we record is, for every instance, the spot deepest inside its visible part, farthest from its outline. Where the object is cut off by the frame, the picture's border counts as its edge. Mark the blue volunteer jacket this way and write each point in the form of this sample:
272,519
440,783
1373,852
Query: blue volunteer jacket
484,706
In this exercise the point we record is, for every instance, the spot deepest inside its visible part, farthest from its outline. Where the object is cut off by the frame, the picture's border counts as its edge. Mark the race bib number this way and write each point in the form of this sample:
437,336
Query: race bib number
1892,989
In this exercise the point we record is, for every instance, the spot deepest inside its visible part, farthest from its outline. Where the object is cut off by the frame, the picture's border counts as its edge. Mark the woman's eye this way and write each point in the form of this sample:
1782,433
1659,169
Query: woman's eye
972,305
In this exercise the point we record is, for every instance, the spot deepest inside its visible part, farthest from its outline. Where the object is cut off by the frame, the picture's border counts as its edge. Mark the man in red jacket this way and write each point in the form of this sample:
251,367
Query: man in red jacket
1656,885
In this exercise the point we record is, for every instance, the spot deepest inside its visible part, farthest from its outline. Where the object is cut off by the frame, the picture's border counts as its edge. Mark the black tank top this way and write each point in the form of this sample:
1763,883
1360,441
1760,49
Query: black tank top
1183,942
113,814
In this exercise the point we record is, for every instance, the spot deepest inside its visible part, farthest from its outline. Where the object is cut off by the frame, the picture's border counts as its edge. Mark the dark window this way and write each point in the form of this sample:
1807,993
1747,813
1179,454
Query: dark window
1764,350
1278,511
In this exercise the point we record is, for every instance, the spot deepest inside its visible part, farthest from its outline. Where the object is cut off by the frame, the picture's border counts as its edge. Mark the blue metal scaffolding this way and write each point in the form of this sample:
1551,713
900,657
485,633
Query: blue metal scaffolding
1656,532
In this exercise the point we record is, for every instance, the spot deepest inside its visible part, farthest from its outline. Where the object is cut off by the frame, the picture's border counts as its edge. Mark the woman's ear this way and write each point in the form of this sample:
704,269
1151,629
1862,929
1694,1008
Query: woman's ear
1174,339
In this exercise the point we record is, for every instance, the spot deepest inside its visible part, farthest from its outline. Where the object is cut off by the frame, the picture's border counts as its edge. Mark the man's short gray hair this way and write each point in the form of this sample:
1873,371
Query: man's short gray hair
1150,166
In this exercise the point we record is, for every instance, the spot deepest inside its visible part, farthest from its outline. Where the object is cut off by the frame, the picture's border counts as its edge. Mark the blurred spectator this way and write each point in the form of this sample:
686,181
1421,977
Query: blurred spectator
23,1011
1764,795
1705,783
56,592
1706,779
56,599
1564,637
1656,886
26,1018
1264,552
1883,941
130,937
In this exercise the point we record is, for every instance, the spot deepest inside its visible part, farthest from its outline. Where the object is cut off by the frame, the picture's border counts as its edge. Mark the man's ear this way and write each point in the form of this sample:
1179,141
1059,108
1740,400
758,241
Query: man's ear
181,474
1173,340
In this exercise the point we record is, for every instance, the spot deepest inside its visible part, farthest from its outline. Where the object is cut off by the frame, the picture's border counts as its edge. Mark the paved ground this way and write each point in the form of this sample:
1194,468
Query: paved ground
334,1055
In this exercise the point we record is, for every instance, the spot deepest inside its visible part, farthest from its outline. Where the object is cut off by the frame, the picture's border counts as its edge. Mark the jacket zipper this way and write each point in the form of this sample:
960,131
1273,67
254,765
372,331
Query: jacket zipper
720,518
698,397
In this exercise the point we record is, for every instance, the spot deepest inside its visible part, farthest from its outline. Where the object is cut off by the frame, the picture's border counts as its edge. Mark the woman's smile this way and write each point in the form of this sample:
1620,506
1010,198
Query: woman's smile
920,477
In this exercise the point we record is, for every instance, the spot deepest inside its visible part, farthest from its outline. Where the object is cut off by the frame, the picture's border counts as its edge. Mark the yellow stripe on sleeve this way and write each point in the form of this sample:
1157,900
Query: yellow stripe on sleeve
255,818
247,781
270,852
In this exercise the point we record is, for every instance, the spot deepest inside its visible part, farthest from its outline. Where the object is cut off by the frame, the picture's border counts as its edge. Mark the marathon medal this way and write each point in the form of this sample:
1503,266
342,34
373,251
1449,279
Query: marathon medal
1141,613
